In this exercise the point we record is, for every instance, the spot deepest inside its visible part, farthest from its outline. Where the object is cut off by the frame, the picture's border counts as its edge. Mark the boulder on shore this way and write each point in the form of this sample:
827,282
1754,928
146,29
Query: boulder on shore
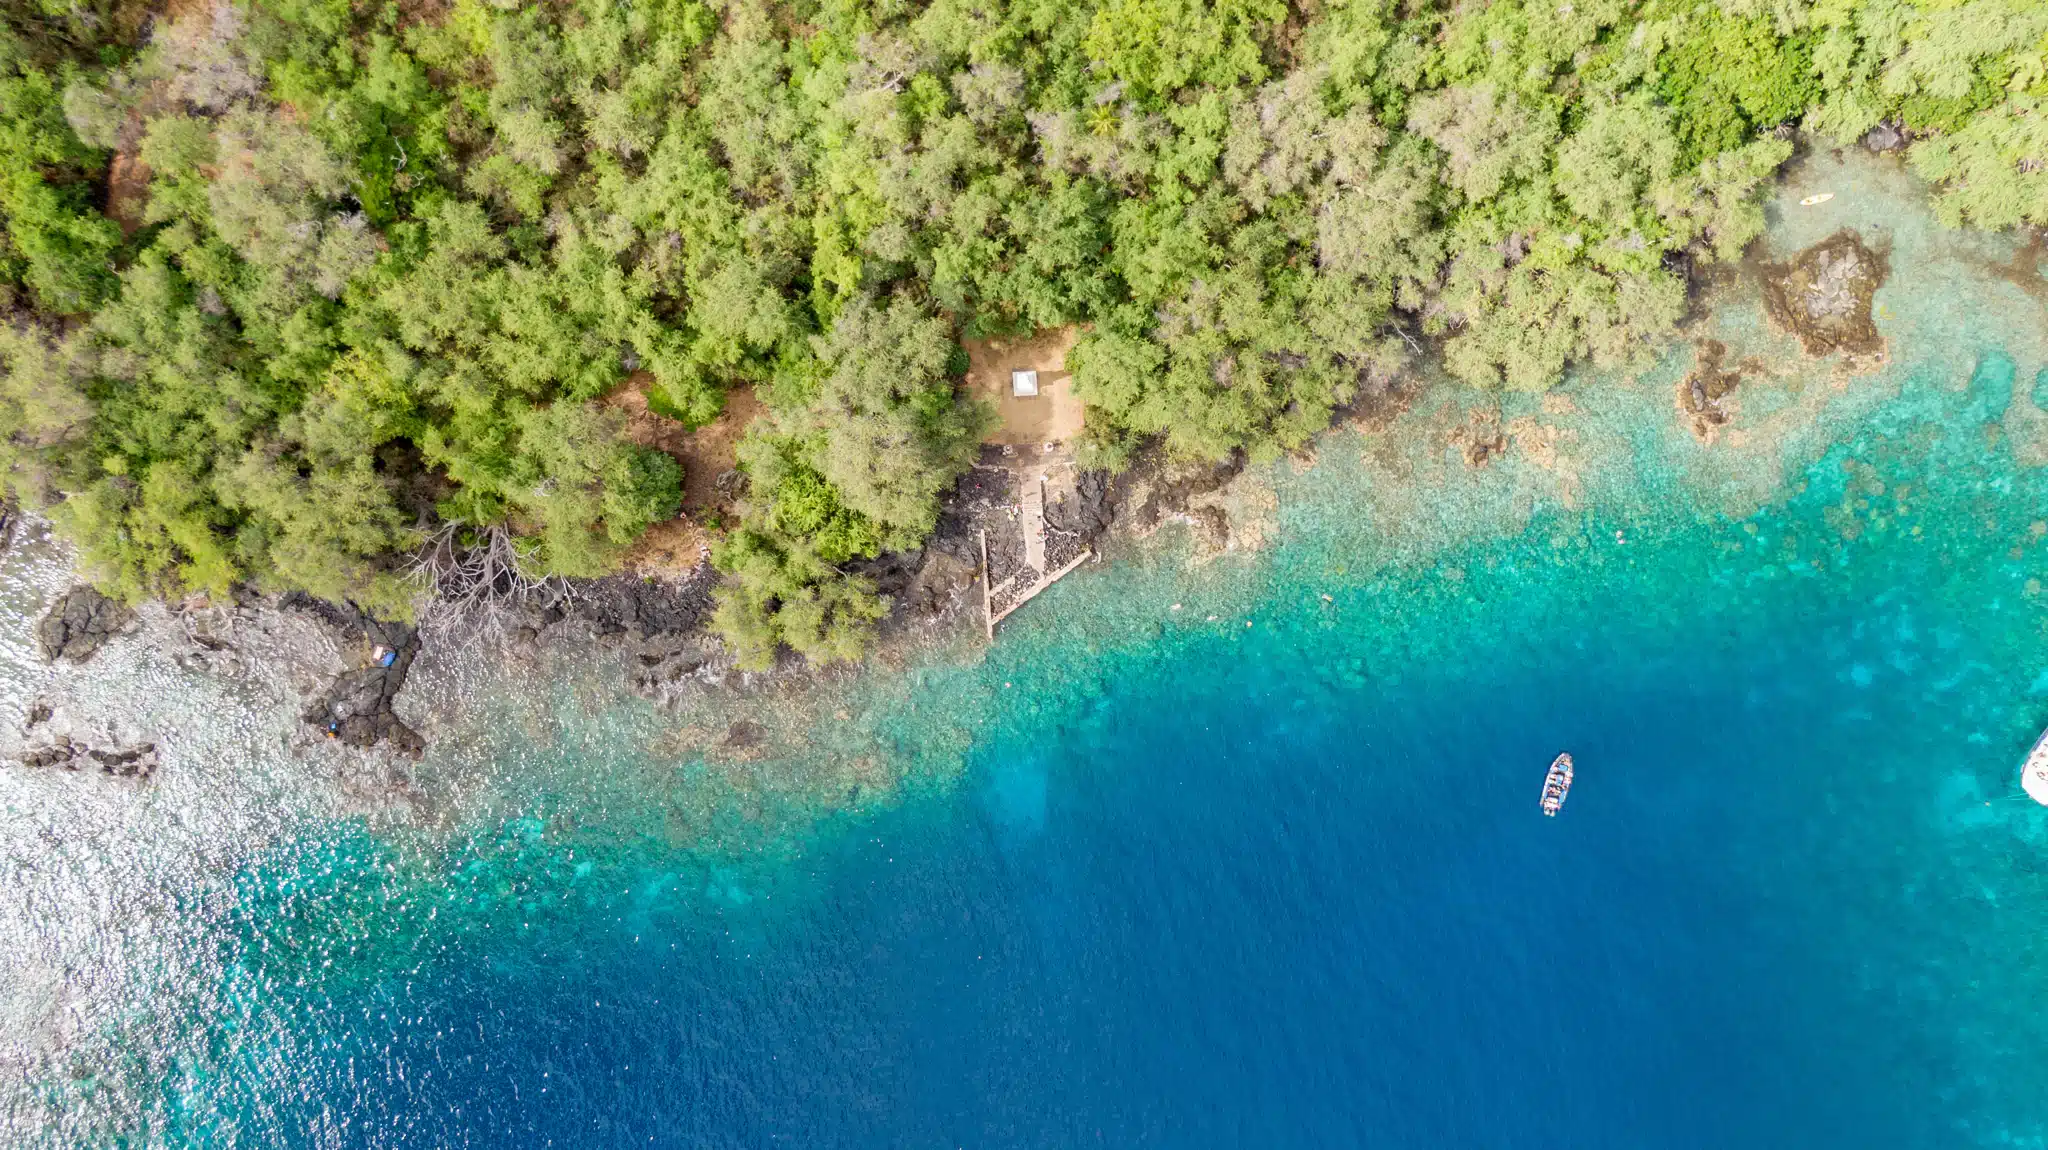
1886,137
79,623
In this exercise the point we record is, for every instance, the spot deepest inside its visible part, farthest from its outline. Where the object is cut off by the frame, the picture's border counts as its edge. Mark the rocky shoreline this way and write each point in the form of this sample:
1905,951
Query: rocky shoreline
659,620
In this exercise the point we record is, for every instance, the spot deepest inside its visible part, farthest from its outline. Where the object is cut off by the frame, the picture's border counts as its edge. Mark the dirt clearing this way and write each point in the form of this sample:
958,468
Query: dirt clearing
709,456
1051,416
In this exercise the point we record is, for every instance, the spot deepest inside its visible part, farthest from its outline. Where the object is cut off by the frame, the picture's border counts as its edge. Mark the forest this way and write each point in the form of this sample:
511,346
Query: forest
294,293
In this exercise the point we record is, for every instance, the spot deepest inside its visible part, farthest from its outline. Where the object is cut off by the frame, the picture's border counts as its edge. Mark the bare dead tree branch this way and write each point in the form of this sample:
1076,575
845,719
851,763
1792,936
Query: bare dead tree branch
474,580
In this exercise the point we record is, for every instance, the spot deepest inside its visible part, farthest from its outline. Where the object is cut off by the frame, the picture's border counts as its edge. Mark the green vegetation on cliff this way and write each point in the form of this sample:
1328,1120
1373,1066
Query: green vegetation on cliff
290,284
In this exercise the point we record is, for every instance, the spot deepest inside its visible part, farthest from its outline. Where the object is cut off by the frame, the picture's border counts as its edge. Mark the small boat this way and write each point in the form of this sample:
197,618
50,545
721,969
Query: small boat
1558,783
2034,772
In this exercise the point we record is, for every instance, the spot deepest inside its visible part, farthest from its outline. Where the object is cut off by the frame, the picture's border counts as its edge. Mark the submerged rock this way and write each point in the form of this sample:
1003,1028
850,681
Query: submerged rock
1212,526
1480,438
79,623
743,734
1701,394
1823,295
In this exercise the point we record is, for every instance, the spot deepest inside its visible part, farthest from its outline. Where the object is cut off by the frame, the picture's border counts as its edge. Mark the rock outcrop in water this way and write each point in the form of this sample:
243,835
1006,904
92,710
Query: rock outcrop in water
1704,392
356,708
1823,295
51,740
120,762
80,623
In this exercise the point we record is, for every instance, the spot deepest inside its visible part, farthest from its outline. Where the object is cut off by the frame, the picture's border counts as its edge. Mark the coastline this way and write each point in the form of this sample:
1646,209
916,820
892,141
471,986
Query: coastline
1397,636
1739,414
653,623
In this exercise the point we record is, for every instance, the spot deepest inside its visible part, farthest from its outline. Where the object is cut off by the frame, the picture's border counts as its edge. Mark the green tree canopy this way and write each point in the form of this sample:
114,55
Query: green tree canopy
394,264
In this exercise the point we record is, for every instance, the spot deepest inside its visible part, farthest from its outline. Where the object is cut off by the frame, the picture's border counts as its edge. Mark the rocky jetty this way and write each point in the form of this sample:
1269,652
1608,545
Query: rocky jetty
80,623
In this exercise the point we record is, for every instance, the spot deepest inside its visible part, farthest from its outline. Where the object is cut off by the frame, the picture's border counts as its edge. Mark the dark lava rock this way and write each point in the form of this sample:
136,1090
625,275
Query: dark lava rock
941,580
132,763
139,762
664,663
79,623
356,708
525,644
892,572
1823,295
61,753
630,605
346,619
1088,511
1173,485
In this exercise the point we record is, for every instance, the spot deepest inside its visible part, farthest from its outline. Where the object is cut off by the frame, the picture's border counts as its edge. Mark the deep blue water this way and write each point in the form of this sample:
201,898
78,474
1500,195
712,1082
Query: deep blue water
1288,884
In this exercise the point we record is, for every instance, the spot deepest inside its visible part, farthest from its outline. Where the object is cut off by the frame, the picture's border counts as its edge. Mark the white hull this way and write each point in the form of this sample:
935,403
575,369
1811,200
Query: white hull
2034,772
1558,784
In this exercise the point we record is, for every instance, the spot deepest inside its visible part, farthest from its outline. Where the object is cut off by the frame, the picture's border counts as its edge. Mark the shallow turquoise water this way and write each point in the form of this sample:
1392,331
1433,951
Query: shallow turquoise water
1240,853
